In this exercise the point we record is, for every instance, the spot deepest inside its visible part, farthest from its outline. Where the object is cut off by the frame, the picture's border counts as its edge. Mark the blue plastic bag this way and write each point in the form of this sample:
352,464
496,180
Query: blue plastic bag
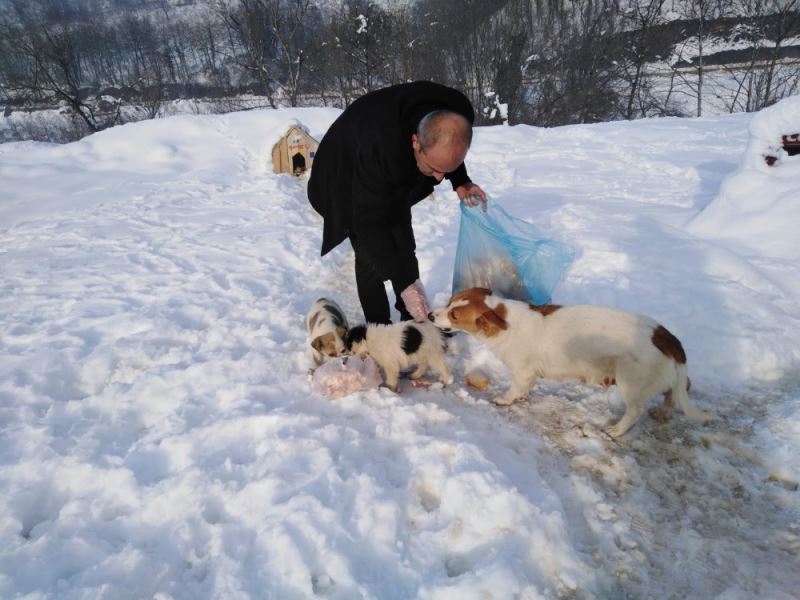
507,255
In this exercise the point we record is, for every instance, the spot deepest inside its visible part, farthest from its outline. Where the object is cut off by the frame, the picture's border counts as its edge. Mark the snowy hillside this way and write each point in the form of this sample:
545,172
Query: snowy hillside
158,435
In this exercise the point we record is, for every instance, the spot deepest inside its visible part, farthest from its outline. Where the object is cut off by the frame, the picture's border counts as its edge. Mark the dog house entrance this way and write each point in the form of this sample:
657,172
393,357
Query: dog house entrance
298,164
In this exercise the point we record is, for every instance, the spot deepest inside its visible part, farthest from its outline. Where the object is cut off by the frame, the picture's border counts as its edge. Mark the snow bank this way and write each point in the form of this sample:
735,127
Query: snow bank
159,436
211,149
758,206
753,221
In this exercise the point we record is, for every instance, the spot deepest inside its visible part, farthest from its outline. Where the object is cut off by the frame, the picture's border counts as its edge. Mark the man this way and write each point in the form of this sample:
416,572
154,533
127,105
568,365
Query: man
382,155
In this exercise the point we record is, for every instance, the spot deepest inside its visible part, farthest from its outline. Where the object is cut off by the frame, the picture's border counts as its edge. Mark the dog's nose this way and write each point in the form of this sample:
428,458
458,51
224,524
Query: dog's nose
430,316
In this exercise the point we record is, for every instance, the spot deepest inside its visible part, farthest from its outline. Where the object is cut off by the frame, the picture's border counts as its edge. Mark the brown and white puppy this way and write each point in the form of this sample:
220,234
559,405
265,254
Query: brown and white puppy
591,344
401,345
326,327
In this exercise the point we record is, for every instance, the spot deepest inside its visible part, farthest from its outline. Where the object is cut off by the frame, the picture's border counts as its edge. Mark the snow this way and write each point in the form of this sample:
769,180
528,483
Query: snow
160,437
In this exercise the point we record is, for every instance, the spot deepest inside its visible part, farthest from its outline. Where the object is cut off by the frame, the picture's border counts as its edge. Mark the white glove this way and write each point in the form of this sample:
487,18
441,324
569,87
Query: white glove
474,200
416,302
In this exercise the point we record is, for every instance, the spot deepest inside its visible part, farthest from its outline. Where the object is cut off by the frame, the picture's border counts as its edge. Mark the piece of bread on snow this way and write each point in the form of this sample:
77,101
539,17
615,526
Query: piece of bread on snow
477,379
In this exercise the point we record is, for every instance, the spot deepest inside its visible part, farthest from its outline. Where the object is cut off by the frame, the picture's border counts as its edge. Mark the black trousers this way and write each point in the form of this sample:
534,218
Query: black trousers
372,293
370,284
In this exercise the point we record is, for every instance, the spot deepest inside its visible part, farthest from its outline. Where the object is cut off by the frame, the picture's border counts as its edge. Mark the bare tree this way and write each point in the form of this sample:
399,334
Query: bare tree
470,63
291,24
146,63
572,74
769,67
272,40
252,45
637,51
690,66
355,40
477,47
52,57
403,48
777,76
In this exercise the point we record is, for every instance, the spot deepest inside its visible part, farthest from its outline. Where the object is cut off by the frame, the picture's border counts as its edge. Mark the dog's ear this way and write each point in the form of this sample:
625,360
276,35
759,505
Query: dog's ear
470,293
336,315
452,315
341,332
491,323
317,343
356,334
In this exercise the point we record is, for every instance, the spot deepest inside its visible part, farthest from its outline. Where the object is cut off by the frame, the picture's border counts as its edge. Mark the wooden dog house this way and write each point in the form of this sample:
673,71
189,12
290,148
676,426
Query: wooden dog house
294,153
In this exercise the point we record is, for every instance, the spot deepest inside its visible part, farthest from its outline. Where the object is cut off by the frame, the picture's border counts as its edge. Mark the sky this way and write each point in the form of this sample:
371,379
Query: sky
160,438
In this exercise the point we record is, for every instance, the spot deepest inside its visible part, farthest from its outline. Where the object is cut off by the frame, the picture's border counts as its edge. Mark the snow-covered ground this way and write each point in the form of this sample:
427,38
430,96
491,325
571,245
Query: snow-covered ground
159,438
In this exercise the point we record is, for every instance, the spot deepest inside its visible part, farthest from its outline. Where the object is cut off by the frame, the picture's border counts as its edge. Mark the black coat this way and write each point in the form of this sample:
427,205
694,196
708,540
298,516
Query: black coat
365,179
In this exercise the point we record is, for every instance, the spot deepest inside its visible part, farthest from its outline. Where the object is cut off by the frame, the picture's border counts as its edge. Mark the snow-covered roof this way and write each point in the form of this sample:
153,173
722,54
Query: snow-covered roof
292,124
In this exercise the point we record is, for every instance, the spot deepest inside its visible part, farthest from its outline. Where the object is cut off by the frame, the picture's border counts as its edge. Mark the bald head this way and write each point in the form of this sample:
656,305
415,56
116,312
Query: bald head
444,127
441,143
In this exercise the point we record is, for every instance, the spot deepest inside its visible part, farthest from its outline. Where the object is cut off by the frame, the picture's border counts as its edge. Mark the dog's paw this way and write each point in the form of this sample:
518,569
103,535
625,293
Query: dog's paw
615,431
506,400
702,416
661,414
385,392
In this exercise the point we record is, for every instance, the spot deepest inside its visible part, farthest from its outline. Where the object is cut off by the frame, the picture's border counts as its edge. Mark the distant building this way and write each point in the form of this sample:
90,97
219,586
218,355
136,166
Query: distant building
294,153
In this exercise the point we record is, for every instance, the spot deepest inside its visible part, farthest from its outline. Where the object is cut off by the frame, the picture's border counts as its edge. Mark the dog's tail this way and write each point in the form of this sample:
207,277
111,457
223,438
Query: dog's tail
680,394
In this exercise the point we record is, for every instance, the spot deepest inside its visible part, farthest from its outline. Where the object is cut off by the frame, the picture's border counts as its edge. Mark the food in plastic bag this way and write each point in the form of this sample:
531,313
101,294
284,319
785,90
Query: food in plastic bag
509,256
344,375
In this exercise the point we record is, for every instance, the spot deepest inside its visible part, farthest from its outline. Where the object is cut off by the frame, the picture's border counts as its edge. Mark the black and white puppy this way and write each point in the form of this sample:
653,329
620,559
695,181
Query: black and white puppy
327,328
401,345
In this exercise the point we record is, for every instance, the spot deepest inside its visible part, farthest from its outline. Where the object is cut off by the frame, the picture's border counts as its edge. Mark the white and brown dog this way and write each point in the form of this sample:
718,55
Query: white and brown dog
401,345
327,328
591,344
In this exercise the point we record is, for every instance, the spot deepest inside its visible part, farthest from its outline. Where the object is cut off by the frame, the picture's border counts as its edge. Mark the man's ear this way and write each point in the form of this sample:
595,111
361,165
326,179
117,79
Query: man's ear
415,142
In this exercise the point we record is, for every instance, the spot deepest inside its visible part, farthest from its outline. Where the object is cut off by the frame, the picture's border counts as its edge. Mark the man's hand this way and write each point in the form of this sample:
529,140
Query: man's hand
472,195
416,302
